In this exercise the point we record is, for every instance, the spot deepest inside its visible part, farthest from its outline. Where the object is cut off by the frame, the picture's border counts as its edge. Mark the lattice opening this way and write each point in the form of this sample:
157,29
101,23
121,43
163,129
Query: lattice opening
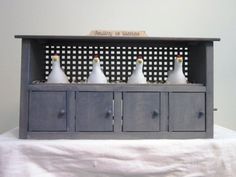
117,62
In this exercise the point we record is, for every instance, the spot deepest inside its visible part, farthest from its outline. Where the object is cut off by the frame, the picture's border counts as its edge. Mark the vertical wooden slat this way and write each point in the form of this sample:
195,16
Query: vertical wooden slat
71,111
170,119
164,112
117,112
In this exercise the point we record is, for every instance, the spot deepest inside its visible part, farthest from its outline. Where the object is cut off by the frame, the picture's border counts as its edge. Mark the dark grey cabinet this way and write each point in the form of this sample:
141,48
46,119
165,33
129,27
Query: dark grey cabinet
47,111
187,112
116,110
141,111
94,111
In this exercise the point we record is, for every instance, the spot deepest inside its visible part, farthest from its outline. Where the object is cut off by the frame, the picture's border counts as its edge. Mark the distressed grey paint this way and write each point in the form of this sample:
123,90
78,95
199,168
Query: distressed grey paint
87,38
209,86
119,87
70,111
187,111
116,135
117,111
47,111
141,111
94,111
24,96
41,125
164,113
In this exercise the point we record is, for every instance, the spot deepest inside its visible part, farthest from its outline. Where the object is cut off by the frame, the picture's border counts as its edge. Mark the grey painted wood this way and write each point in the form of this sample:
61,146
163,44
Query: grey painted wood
210,90
163,88
53,37
36,71
187,111
94,111
141,111
117,111
197,62
116,135
200,71
164,113
70,111
47,111
25,61
119,87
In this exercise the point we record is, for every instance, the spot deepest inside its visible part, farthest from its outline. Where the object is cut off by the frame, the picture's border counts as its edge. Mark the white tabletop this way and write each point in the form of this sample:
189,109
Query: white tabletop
108,158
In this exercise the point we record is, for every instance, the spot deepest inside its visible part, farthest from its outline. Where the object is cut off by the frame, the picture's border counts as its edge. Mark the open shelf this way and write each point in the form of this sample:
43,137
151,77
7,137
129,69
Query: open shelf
118,57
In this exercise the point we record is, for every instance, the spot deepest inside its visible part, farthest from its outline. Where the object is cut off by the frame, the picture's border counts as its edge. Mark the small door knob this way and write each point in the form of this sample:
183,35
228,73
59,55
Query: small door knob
109,113
200,114
155,114
62,112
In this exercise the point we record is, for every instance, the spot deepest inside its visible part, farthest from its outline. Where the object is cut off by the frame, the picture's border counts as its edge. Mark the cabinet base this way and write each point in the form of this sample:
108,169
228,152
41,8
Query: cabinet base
114,135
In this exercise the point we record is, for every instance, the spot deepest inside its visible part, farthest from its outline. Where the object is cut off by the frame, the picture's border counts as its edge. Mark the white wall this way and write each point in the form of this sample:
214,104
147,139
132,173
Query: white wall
163,18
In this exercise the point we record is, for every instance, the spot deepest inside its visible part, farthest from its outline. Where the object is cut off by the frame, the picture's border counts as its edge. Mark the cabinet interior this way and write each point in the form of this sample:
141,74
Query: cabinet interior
118,59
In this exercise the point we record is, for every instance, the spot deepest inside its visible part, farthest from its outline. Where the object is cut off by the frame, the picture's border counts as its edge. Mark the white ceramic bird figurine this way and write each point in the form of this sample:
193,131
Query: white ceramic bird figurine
137,76
57,75
177,76
97,76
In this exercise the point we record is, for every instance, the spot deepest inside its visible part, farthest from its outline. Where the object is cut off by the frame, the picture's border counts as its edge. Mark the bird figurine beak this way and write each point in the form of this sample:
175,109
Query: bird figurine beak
55,58
179,59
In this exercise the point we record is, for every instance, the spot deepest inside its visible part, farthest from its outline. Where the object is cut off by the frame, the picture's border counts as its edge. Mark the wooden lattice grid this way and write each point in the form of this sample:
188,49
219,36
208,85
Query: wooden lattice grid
117,62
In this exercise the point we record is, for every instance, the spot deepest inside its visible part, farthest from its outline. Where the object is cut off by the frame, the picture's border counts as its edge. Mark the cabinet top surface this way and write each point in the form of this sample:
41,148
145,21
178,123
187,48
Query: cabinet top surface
55,37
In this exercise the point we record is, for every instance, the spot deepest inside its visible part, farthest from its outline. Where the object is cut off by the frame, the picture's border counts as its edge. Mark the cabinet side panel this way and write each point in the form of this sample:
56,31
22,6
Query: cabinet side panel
197,64
24,96
36,61
210,88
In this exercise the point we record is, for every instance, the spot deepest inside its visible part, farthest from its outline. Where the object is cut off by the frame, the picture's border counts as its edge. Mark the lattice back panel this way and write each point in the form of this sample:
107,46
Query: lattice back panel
117,61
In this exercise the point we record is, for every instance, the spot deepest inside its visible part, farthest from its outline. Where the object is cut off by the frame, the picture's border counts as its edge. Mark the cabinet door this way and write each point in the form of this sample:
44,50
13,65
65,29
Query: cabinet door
47,111
141,111
94,111
187,111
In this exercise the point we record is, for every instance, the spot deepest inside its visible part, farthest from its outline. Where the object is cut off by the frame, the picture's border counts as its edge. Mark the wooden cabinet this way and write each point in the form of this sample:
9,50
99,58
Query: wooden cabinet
141,111
47,111
116,110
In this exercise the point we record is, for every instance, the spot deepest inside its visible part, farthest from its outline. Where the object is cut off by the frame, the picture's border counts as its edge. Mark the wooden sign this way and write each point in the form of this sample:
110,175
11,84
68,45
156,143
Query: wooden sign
118,33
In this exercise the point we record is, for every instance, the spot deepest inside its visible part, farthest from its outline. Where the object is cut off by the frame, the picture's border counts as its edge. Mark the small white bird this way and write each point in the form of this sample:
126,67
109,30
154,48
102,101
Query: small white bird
177,76
137,76
57,75
97,75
